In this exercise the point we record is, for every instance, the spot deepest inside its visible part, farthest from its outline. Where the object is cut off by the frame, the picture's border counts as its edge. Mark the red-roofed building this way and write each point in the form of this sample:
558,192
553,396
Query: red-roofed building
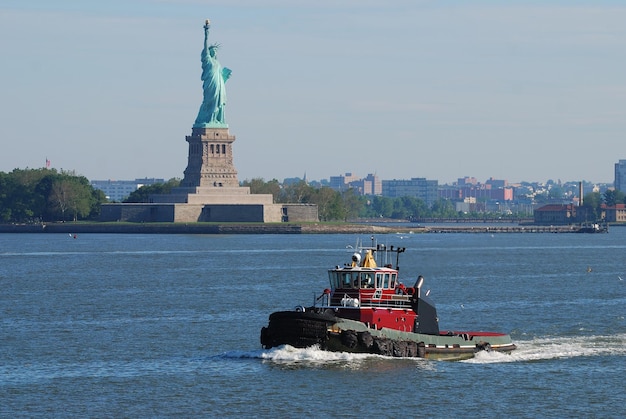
555,214
615,214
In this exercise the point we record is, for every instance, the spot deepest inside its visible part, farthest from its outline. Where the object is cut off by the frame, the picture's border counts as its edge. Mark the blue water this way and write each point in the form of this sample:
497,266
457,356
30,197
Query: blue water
168,326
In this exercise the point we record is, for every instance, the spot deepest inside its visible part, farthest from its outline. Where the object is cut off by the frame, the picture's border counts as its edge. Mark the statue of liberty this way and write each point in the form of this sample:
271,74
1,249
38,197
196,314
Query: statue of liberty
214,77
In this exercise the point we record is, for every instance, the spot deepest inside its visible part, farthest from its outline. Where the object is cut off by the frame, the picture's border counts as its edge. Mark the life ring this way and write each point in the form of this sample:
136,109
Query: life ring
401,289
300,309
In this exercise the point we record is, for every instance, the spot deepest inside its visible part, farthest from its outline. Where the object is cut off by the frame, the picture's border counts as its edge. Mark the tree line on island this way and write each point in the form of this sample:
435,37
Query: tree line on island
36,195
48,195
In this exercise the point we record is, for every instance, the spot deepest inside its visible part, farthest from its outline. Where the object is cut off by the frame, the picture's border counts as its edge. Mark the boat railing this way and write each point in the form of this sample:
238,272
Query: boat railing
387,303
343,302
354,298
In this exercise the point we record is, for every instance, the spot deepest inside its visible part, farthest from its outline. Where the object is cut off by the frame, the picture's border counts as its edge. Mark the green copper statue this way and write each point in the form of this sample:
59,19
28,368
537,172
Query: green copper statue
214,77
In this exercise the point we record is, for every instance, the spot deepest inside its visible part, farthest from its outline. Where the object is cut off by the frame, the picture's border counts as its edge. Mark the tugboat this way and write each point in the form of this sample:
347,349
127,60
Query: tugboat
368,310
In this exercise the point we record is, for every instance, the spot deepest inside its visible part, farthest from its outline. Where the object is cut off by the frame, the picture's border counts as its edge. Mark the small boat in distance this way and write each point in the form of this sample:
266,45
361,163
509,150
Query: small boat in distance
367,309
596,227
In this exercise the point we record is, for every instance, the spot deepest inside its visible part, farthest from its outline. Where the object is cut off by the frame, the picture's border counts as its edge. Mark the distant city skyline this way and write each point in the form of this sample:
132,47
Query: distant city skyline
329,180
522,91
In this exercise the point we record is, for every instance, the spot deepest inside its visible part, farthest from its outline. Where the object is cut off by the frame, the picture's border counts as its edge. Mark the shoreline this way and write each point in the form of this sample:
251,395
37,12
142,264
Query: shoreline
199,228
269,228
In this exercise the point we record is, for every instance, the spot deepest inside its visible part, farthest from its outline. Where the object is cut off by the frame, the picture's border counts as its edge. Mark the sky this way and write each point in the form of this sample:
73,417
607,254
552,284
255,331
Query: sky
515,90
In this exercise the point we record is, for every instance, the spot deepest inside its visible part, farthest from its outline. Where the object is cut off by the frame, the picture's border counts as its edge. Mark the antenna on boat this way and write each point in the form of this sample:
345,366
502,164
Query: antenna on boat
398,251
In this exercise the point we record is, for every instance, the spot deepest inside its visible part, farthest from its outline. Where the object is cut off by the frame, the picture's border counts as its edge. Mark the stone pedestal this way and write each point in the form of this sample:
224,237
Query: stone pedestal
210,190
210,161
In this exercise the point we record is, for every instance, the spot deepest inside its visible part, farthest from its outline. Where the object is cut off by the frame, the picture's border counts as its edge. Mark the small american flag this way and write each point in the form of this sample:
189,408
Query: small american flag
47,163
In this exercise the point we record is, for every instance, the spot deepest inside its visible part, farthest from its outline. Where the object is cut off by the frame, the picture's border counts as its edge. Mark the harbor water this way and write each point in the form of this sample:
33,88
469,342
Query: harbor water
122,325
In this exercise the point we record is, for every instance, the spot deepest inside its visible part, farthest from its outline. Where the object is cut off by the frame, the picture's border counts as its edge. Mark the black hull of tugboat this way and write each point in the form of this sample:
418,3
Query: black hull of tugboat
365,342
303,330
299,329
308,327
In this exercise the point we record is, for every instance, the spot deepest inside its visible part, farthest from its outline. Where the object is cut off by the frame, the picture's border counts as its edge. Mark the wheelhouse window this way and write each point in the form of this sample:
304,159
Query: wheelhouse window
334,279
386,280
352,279
367,280
343,279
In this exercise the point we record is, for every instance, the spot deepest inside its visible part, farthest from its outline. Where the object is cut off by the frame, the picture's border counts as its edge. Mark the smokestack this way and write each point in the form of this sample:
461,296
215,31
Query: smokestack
580,194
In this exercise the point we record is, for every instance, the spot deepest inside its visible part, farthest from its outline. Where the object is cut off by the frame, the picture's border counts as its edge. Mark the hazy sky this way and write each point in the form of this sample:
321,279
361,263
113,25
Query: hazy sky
516,90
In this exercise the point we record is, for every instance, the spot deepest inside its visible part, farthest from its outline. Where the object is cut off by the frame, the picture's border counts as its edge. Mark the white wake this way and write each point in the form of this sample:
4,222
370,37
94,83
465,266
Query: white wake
558,347
527,350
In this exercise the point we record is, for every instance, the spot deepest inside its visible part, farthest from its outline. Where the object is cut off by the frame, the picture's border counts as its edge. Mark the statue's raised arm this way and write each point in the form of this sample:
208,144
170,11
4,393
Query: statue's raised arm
207,27
214,79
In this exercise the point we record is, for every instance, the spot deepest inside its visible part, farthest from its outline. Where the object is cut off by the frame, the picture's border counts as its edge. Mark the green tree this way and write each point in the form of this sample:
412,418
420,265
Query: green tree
28,195
142,195
400,212
297,193
555,193
28,198
259,186
592,203
97,199
328,204
70,194
414,207
613,196
336,209
443,208
6,193
382,206
60,195
351,204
